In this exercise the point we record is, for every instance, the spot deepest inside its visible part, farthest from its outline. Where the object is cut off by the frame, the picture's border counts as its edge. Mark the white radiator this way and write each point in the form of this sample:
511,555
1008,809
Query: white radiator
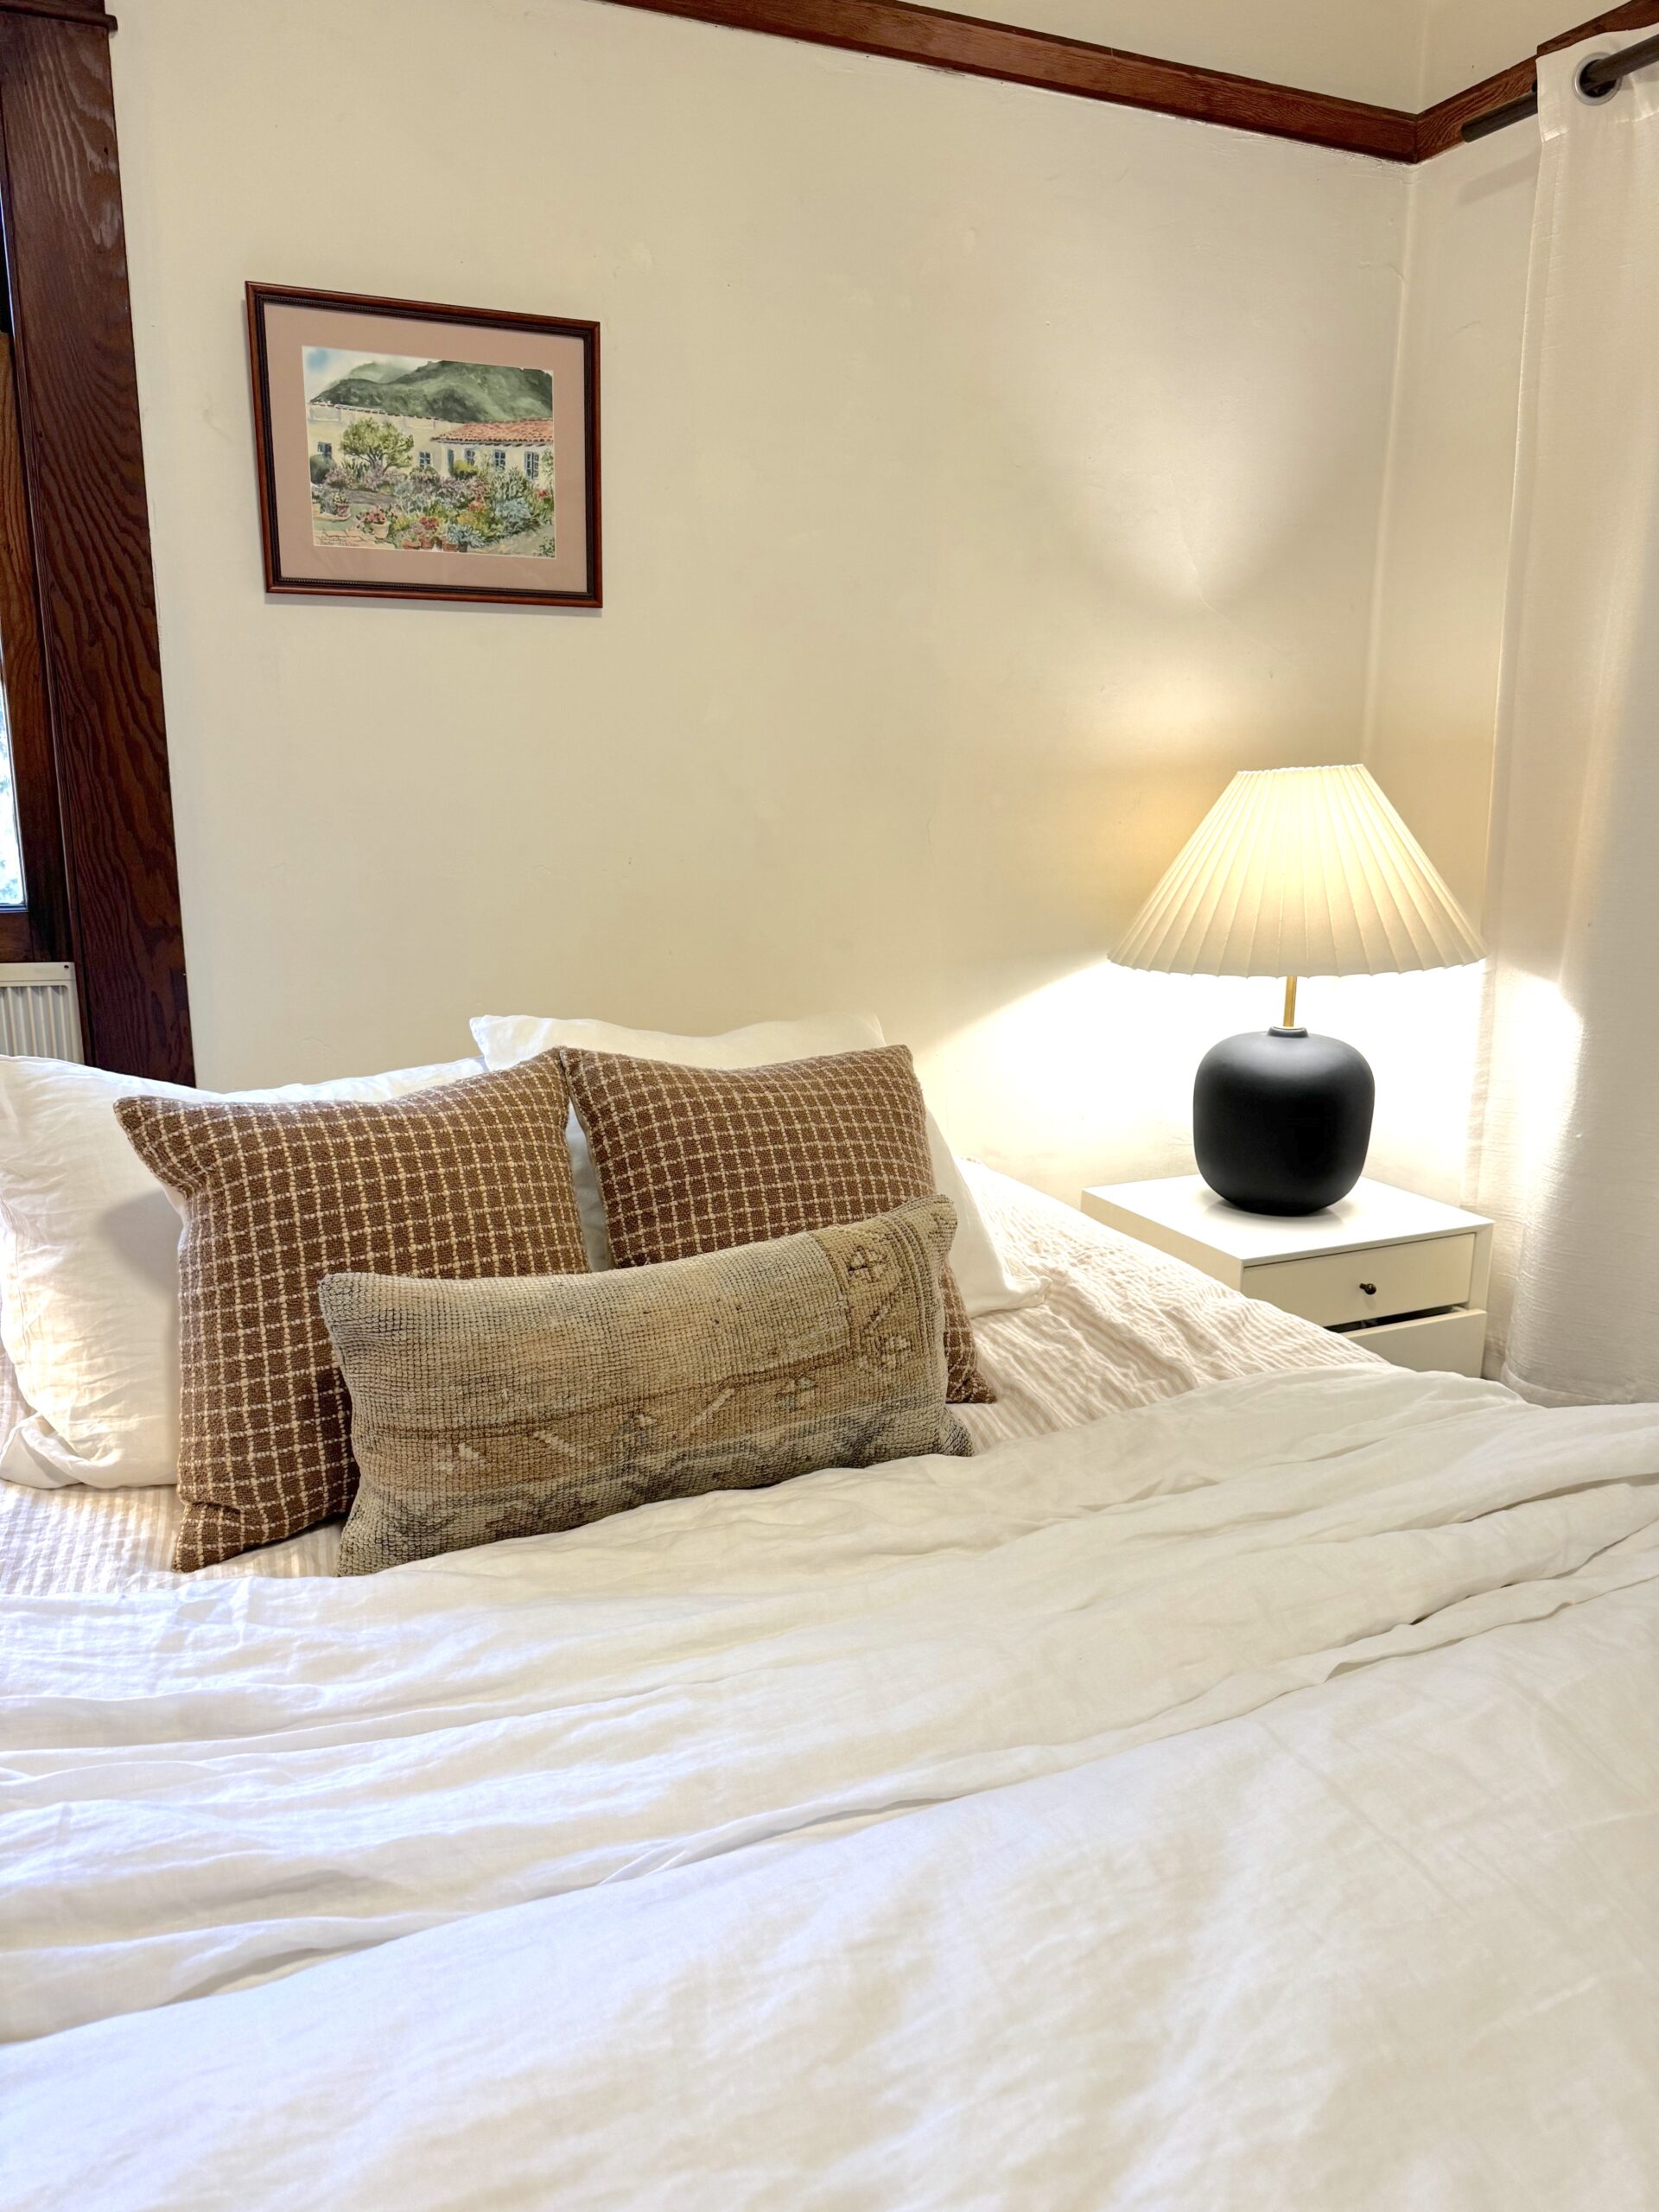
39,1013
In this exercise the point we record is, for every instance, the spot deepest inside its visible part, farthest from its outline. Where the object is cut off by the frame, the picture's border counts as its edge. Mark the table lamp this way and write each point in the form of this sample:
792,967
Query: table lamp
1294,872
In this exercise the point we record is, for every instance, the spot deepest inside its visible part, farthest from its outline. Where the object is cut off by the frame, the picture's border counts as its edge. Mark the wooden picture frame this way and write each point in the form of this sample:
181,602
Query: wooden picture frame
476,477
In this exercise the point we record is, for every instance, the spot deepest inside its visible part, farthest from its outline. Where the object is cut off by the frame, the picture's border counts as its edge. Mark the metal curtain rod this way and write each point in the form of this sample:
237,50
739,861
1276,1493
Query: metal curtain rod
1597,79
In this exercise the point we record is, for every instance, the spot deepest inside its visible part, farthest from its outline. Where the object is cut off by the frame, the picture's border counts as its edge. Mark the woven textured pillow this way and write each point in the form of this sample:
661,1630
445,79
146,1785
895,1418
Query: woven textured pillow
488,1409
473,1180
89,1269
698,1160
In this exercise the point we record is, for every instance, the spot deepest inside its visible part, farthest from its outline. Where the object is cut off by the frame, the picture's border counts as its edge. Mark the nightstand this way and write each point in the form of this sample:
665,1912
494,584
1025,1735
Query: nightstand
1406,1275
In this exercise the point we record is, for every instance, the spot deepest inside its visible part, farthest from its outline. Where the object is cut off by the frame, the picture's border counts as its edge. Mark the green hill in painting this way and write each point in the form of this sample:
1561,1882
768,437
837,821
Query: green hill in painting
447,391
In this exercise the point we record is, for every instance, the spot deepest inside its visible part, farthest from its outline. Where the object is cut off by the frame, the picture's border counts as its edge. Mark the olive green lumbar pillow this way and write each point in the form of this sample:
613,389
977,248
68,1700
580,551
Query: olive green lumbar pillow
515,1407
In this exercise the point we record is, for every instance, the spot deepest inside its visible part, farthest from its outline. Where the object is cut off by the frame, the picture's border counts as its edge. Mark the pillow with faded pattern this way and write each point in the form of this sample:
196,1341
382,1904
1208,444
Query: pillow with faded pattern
515,1408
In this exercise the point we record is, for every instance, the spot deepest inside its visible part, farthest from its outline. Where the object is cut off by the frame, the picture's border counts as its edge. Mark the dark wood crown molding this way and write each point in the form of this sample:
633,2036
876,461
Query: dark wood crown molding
1441,127
84,12
899,30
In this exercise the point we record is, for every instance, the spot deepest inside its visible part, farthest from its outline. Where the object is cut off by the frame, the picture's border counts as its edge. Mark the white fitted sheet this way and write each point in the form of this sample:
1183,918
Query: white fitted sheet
1118,1326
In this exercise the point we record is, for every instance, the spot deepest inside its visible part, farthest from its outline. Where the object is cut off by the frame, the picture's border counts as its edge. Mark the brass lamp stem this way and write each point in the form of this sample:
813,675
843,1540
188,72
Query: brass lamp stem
1290,1002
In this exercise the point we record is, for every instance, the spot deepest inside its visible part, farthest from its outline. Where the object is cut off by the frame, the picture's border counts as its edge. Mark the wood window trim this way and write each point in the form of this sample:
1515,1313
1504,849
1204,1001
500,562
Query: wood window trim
77,397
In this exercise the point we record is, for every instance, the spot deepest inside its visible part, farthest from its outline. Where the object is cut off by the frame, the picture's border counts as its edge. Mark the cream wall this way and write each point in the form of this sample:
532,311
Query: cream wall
1440,610
986,476
1463,41
1445,537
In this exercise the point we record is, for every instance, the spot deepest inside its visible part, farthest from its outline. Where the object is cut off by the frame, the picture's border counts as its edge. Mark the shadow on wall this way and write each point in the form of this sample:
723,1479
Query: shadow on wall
1096,1063
1063,1068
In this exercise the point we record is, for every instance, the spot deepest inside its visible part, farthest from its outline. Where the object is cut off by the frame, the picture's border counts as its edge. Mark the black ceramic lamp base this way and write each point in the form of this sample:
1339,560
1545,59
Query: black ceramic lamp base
1282,1120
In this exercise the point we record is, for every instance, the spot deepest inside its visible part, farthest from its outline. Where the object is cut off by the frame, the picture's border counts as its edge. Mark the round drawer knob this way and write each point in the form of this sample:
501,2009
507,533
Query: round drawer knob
1369,1289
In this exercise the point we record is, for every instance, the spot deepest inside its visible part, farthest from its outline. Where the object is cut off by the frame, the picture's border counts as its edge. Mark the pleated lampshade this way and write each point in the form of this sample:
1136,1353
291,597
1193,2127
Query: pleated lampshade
1300,872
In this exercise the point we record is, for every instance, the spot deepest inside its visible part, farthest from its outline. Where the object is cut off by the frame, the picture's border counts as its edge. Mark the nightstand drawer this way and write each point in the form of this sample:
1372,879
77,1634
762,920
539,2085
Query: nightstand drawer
1454,1342
1326,1287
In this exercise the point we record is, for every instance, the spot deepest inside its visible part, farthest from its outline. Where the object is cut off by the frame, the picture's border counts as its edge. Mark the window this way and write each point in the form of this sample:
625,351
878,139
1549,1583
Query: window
423,460
532,465
500,456
325,451
34,902
11,850
469,455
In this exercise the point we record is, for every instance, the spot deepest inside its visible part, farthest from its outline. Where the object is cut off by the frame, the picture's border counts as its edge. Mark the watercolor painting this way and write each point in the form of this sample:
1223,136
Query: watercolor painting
428,456
409,449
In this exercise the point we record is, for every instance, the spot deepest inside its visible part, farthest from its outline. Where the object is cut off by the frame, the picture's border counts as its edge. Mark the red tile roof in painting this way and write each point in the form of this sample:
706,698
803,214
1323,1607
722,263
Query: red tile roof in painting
529,433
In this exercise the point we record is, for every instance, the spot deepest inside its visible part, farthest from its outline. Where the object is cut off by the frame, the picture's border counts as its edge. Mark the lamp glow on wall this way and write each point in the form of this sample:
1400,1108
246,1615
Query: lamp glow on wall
1294,872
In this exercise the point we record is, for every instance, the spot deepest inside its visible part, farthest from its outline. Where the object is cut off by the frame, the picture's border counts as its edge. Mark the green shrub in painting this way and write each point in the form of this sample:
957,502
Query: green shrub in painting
377,446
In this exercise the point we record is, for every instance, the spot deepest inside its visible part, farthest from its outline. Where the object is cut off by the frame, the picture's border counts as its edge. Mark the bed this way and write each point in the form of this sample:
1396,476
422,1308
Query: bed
1117,1324
1238,1785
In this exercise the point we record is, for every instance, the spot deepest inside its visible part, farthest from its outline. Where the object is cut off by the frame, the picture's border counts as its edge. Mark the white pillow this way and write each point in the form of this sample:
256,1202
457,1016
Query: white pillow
988,1286
89,1251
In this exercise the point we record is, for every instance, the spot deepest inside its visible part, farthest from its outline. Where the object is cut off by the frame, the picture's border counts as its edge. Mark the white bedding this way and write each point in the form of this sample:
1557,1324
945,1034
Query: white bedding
1118,1326
1251,1800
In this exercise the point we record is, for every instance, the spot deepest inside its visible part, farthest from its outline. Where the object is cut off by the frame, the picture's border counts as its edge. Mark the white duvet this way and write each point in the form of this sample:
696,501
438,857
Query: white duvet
1252,1799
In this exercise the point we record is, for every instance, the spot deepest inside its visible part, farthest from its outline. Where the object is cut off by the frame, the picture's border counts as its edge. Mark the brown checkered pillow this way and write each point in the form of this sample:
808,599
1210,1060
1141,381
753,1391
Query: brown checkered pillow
473,1179
698,1160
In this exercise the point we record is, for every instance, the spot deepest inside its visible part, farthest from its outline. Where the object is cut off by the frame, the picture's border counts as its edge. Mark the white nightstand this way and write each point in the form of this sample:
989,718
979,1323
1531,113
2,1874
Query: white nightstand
1407,1275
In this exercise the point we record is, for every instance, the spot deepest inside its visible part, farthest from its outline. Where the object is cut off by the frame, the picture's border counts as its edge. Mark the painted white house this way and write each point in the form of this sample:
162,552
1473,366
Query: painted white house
327,425
526,447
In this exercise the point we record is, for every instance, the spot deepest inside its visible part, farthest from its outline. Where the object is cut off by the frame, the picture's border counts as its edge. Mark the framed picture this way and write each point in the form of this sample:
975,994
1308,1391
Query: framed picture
412,451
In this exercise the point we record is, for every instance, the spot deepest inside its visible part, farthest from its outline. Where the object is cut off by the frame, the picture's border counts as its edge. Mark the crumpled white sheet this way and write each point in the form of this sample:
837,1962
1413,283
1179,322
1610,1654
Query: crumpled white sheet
1071,1825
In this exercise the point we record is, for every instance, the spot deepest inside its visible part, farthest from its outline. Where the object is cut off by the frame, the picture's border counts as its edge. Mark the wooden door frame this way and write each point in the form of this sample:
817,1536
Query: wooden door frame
83,492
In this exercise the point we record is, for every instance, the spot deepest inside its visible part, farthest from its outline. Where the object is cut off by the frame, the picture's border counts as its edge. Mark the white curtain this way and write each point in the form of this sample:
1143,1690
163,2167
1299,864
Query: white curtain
1567,1155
